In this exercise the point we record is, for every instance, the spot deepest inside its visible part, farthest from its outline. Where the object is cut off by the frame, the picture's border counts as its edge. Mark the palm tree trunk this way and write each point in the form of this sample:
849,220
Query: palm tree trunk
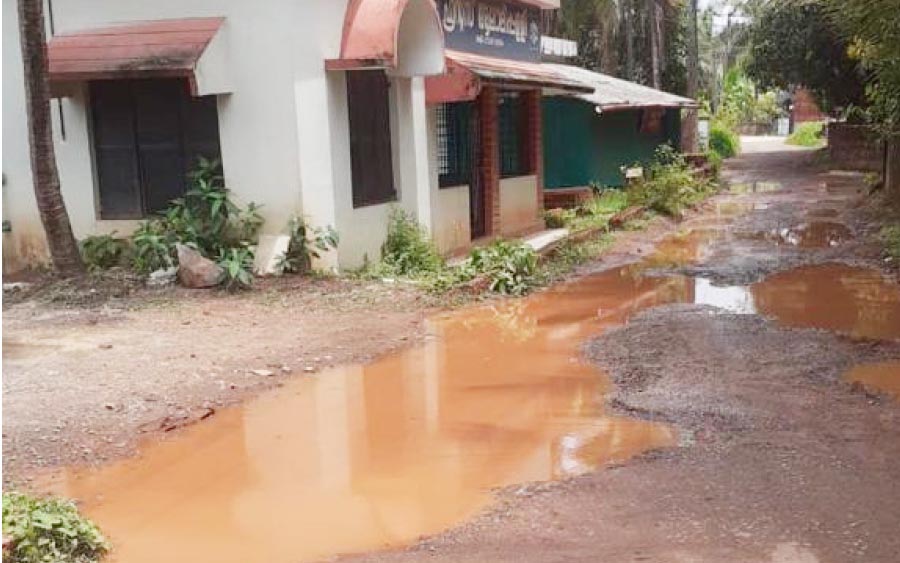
654,22
52,208
689,129
628,23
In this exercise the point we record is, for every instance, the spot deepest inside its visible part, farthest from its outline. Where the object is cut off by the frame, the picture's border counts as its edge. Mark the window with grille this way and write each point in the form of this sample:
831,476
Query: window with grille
454,144
371,165
513,131
147,135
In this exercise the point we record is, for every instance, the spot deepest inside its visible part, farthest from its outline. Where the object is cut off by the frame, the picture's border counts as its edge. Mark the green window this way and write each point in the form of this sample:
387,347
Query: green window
454,144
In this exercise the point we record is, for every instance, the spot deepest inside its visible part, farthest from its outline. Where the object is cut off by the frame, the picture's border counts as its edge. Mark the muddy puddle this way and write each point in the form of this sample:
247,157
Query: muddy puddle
367,457
882,377
375,456
813,234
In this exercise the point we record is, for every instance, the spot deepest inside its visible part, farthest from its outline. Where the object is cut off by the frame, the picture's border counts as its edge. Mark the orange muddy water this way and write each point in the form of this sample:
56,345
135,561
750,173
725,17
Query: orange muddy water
374,456
882,376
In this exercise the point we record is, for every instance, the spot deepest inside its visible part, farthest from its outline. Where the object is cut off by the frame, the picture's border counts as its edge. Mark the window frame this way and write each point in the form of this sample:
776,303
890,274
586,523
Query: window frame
456,141
134,140
374,112
513,133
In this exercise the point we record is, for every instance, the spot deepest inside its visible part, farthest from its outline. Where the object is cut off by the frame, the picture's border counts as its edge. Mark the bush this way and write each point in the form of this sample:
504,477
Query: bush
101,252
669,185
306,244
206,218
45,530
809,134
558,218
407,249
723,141
511,267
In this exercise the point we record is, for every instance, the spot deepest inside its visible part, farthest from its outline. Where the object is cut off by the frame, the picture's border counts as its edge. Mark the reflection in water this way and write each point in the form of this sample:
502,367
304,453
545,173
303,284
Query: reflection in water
815,234
370,456
365,457
883,376
732,298
854,301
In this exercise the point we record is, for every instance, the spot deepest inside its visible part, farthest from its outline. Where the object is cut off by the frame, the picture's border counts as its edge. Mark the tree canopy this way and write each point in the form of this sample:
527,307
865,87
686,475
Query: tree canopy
794,43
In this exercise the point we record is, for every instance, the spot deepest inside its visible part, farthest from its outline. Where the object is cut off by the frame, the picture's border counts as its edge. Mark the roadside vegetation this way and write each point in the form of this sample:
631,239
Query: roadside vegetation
209,221
48,530
810,134
890,236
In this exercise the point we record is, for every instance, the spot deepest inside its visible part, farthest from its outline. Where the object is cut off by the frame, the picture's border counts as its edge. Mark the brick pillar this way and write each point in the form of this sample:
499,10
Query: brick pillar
534,144
489,160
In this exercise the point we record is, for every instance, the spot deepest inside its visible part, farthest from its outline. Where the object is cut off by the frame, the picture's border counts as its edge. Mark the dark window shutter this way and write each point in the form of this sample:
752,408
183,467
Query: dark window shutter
115,151
160,152
368,101
148,135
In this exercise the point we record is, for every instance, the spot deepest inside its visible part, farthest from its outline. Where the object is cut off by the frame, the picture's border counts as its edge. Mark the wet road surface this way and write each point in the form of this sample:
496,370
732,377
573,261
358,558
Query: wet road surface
374,456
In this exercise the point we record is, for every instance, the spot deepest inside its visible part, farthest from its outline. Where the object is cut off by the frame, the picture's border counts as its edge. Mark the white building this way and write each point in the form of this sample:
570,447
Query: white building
329,109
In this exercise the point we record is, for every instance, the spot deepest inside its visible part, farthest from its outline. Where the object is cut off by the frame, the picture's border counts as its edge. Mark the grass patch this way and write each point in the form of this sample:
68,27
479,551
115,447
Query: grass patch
809,134
723,141
890,236
49,530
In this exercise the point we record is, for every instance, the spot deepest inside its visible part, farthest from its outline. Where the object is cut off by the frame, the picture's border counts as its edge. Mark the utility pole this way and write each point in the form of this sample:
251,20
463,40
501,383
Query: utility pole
689,140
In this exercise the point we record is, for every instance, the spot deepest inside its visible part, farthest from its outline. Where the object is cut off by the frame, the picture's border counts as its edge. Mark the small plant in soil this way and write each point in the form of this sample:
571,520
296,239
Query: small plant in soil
306,244
101,252
48,530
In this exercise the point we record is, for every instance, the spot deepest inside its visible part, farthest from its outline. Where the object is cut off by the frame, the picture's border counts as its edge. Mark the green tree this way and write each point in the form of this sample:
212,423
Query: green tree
793,43
872,29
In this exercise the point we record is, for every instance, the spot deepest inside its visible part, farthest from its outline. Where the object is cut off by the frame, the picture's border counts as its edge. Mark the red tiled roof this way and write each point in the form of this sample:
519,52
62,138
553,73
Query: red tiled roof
149,48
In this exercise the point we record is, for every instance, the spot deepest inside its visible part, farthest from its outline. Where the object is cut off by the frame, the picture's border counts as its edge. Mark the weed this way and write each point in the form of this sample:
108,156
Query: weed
890,236
723,141
407,249
101,252
43,530
510,267
238,265
558,218
305,245
670,184
807,134
154,247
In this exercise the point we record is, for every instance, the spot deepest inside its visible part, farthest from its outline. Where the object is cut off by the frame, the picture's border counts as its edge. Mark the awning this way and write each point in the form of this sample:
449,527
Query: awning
190,48
611,94
400,35
466,72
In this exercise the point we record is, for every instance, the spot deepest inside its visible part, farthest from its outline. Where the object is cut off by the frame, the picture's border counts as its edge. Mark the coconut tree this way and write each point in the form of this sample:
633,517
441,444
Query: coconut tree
52,208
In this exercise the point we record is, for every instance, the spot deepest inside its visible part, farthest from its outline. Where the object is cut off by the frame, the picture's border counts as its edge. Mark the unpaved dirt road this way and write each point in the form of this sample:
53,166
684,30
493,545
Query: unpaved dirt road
781,460
731,333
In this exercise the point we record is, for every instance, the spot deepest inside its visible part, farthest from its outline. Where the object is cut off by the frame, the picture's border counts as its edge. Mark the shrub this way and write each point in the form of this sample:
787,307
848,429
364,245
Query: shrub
558,218
101,252
306,244
154,247
407,249
723,141
807,134
511,267
206,218
669,185
43,530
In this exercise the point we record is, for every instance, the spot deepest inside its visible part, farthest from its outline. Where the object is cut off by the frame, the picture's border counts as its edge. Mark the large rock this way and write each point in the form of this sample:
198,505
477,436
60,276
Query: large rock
196,271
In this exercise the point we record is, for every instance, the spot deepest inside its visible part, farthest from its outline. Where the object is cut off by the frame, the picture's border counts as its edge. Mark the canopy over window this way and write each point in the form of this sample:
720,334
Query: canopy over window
466,72
190,48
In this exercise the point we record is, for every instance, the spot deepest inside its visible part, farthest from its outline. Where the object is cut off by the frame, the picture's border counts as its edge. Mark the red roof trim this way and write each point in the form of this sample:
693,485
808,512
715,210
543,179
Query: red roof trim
164,48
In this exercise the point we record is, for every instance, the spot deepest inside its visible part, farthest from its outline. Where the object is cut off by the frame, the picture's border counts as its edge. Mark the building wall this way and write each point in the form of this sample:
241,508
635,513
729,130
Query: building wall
284,132
855,147
519,209
581,147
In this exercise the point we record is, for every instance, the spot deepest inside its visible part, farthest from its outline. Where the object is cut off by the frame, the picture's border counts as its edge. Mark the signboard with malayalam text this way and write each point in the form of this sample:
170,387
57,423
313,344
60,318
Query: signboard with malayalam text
508,30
